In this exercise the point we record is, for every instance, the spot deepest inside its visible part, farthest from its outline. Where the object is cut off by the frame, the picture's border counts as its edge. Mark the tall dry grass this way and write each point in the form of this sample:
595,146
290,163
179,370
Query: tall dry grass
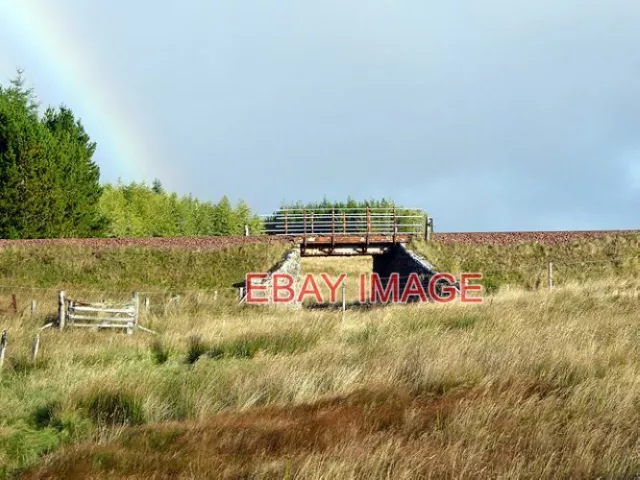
527,385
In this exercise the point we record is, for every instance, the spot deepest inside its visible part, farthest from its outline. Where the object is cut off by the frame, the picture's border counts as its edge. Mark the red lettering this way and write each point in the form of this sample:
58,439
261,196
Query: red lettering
251,288
309,287
287,287
391,290
333,287
413,287
448,289
362,288
465,287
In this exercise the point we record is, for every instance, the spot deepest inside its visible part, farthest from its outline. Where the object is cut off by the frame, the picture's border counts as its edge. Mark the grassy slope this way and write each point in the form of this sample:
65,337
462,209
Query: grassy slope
531,384
526,265
132,268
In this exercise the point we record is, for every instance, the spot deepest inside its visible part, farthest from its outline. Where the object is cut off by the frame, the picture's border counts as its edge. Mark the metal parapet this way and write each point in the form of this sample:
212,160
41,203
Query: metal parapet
355,231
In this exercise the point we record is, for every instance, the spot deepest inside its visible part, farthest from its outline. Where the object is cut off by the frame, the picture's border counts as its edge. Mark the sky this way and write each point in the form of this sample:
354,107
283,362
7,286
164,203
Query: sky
498,115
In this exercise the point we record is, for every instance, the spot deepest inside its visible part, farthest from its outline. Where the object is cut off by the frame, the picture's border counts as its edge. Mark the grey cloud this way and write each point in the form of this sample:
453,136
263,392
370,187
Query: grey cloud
497,115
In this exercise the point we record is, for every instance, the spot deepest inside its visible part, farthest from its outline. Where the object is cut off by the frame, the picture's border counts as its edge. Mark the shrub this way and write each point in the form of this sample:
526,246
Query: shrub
113,408
47,416
249,345
197,348
160,351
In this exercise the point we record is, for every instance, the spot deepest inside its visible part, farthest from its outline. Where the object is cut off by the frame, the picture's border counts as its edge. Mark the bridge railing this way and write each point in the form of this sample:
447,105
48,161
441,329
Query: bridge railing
348,221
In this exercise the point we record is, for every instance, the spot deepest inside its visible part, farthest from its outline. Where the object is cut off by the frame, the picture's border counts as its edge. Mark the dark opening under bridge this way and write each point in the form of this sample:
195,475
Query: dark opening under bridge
348,231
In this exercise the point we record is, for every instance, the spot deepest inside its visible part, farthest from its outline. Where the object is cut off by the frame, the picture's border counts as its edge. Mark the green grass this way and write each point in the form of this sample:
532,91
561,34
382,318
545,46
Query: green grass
527,363
526,265
114,408
249,345
554,374
132,268
566,350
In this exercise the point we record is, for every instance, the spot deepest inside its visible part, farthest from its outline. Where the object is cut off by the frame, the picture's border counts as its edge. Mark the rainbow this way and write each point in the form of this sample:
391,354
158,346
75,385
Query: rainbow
67,63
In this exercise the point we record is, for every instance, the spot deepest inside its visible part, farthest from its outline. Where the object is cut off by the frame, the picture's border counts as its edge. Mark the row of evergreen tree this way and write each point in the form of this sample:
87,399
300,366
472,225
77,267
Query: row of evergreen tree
50,186
138,210
381,205
354,220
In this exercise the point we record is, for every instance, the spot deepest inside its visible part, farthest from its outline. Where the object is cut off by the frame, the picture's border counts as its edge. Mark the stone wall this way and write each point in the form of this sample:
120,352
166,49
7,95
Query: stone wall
290,264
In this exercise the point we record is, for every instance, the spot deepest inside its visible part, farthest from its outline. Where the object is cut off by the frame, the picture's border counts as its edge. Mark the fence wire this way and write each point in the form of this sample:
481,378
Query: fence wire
534,269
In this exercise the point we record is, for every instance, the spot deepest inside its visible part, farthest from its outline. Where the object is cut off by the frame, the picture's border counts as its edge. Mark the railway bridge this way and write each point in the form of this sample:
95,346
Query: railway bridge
349,231
381,233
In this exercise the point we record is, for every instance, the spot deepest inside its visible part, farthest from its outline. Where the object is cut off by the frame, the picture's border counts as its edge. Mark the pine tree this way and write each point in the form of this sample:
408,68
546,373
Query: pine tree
223,218
157,187
77,189
49,185
18,142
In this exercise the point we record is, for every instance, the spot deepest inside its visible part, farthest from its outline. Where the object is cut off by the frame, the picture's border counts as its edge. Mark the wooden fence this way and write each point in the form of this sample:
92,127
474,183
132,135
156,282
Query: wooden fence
76,314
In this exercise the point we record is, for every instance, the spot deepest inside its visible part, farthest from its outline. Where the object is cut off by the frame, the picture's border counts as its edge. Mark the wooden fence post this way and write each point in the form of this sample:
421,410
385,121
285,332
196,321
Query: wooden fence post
146,304
550,276
62,313
14,303
136,306
395,225
368,221
429,228
333,222
4,339
36,346
246,230
33,307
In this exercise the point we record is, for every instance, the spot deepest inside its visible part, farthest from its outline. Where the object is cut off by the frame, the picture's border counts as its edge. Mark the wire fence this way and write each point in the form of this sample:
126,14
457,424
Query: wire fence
529,266
18,299
41,302
84,289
